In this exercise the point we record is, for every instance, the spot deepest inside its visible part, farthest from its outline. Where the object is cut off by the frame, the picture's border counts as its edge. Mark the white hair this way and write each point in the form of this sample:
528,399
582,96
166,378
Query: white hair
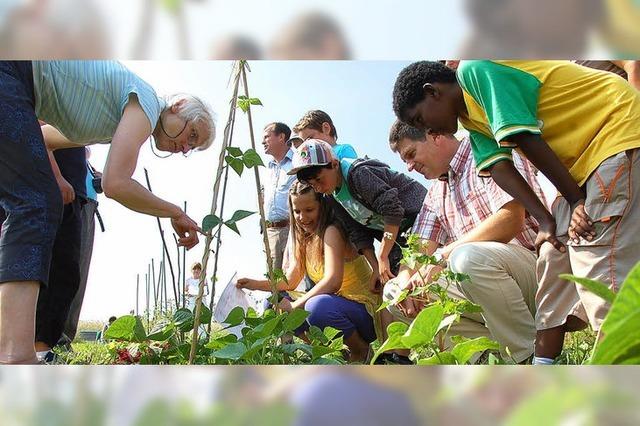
194,109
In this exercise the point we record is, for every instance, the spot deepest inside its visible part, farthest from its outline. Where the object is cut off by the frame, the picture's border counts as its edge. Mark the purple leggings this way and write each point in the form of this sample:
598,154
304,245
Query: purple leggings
340,313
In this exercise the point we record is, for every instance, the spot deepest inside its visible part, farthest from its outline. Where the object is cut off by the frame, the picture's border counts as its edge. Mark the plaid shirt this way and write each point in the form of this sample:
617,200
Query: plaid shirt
460,201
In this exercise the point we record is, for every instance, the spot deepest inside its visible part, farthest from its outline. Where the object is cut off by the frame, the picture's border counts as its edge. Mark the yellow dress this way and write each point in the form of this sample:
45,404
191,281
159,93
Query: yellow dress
355,285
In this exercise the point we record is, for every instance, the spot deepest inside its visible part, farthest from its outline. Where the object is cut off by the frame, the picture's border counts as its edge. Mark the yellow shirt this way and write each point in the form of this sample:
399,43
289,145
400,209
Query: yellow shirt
355,285
585,115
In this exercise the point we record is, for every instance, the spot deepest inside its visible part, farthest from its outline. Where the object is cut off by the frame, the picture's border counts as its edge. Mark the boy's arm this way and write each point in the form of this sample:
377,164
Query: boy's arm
512,182
389,236
541,156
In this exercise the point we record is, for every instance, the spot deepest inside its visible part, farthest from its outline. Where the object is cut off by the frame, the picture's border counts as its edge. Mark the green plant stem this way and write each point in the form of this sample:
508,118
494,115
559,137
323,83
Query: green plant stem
214,205
263,221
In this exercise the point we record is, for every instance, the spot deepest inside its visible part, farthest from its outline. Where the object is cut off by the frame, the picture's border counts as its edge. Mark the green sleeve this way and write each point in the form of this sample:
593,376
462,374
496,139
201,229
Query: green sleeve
508,96
486,152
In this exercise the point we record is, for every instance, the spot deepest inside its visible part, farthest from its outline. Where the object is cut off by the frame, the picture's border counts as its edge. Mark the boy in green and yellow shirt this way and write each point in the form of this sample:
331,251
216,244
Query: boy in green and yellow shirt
581,128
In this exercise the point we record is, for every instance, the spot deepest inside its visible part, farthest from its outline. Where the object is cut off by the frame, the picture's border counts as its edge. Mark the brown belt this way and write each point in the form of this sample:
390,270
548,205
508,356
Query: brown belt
278,224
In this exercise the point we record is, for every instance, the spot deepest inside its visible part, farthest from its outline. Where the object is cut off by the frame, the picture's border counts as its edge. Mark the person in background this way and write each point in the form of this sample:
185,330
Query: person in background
317,124
192,287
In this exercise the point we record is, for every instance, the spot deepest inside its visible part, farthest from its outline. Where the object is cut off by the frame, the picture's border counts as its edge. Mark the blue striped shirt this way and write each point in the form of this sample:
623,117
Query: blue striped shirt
85,100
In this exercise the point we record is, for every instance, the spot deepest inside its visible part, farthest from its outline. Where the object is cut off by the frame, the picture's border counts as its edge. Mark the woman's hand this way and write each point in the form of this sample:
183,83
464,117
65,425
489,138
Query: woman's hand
187,229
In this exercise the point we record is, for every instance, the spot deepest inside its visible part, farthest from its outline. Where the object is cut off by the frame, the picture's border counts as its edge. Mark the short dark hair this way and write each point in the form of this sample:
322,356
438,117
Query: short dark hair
279,129
313,120
112,319
312,172
408,89
400,131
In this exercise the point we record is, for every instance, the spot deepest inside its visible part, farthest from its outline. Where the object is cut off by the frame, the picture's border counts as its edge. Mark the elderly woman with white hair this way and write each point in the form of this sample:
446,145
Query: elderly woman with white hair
82,103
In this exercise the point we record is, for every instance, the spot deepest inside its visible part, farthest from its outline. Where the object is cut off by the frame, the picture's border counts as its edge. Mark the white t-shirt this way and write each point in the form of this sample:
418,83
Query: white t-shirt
192,286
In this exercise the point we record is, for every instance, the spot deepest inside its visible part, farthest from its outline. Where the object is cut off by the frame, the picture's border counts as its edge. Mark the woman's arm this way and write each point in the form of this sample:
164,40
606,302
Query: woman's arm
334,249
132,132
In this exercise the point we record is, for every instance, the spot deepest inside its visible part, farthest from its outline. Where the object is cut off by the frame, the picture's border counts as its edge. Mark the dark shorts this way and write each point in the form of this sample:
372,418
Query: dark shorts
29,194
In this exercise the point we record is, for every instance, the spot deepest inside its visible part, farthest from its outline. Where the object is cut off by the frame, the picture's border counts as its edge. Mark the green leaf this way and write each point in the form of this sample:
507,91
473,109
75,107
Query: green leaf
596,287
239,215
183,319
424,327
243,103
209,222
320,351
395,331
443,358
621,341
330,332
465,350
294,319
235,317
255,101
128,328
233,227
162,333
205,314
266,328
234,351
251,158
447,321
234,151
221,339
236,164
292,348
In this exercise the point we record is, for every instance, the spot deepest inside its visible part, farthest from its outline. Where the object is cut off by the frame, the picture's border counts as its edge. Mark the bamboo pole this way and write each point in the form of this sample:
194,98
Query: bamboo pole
164,243
214,204
263,222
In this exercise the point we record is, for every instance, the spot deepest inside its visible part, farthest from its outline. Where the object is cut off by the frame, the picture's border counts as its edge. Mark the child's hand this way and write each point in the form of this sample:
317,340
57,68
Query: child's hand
286,305
384,269
247,283
581,224
547,233
375,285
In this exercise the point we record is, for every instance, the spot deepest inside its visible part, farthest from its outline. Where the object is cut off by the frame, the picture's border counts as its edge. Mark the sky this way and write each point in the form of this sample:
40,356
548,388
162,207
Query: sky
357,95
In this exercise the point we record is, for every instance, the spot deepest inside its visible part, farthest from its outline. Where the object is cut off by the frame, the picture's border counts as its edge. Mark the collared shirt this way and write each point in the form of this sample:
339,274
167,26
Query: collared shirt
276,193
462,200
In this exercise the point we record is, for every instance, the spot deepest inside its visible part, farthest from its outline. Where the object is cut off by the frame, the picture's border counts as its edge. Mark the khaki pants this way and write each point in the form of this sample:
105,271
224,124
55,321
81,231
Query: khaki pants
613,197
503,282
277,244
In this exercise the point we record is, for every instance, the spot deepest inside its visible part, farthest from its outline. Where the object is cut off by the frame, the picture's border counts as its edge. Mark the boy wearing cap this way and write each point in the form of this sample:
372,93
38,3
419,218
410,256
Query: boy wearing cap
369,198
317,124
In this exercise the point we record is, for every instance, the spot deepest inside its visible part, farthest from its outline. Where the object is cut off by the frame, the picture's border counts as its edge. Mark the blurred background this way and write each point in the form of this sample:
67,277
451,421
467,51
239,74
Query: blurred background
311,29
316,395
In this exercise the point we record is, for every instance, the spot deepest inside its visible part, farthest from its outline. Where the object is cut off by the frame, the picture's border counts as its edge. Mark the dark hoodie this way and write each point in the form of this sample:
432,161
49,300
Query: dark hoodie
393,195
